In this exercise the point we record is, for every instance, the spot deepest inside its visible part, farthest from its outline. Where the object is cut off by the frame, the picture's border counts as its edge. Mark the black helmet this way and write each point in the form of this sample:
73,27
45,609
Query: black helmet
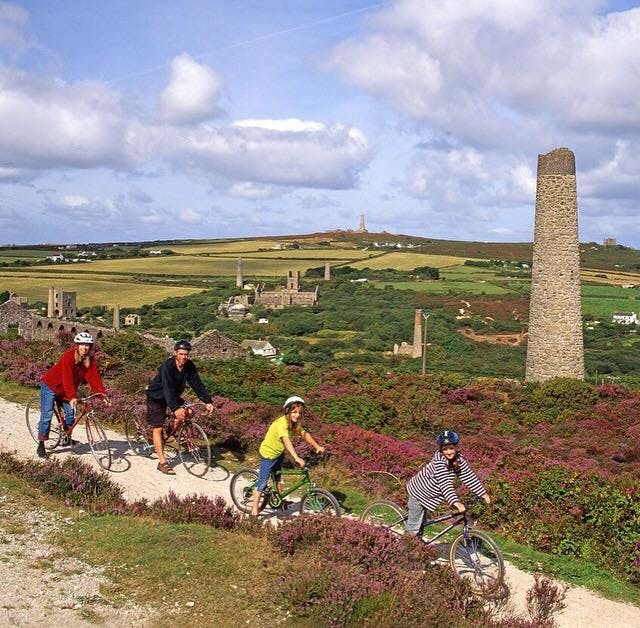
182,344
448,437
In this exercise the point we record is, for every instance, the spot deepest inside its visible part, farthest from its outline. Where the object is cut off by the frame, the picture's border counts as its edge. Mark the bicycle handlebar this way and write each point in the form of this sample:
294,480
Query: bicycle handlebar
90,397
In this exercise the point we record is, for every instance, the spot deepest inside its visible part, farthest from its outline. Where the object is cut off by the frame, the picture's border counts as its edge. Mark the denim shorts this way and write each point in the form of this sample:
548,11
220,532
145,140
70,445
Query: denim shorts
268,466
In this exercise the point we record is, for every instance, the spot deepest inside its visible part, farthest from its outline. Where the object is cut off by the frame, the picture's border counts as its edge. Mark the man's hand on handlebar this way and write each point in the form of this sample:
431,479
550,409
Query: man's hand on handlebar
209,407
460,507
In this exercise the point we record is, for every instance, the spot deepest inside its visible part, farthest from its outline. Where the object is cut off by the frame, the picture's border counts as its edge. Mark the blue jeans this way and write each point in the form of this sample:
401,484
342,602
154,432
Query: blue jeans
47,399
415,517
268,466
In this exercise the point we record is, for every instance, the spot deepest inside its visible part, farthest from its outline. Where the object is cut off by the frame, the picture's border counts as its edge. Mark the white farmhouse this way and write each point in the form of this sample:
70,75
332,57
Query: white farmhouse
262,348
625,318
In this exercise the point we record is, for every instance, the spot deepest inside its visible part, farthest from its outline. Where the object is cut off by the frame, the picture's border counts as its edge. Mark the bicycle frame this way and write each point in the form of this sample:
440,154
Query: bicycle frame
460,517
58,410
304,479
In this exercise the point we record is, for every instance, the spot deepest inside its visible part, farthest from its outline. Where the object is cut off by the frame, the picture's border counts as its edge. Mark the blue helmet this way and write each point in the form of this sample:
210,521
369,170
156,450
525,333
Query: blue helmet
448,437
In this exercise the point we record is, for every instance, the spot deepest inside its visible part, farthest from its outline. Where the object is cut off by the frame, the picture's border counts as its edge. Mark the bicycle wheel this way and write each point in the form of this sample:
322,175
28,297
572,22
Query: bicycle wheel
98,442
138,436
318,501
242,485
478,560
385,514
32,415
194,449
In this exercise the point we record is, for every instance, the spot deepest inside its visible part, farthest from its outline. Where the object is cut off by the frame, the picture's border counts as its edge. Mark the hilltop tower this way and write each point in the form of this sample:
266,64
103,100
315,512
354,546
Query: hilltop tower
239,279
327,271
417,335
555,347
362,228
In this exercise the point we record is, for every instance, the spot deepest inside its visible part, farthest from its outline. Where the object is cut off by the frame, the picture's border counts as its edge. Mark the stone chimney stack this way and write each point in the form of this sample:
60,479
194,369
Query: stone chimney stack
116,317
555,347
50,303
417,335
327,271
239,279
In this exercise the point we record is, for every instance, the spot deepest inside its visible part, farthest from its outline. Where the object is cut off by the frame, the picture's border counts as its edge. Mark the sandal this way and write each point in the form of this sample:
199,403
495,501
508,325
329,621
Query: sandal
165,467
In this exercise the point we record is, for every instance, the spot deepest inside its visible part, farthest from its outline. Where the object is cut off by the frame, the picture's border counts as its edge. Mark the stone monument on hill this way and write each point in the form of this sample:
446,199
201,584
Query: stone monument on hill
555,347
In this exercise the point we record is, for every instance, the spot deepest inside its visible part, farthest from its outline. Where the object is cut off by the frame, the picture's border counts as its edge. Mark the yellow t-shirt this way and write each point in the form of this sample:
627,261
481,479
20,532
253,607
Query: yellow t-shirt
272,445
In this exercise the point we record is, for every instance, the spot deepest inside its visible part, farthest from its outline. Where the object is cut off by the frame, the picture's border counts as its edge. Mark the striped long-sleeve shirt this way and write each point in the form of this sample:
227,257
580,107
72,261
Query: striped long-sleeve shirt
433,484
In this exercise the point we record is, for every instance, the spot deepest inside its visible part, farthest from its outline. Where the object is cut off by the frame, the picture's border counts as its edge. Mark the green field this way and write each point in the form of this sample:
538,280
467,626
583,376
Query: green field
235,246
445,287
602,301
187,265
91,292
409,261
333,255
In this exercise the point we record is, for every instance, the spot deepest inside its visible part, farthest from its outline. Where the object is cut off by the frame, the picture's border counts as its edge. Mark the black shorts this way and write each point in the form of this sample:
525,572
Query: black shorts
156,412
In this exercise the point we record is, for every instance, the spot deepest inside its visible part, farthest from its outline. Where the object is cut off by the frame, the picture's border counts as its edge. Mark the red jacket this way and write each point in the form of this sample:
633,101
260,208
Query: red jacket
65,377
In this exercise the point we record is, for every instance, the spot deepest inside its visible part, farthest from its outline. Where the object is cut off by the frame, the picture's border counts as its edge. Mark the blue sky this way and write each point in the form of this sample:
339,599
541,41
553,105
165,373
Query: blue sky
205,119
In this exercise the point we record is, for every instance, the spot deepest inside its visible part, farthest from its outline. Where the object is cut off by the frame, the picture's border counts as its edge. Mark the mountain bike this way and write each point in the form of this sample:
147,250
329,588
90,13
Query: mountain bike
191,443
473,555
96,436
314,499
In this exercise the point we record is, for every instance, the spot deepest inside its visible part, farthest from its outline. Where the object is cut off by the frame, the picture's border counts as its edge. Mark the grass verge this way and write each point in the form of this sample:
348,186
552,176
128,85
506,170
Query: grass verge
187,572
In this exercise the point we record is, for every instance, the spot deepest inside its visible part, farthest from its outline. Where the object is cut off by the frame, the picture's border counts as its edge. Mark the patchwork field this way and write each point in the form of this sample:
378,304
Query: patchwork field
409,261
108,281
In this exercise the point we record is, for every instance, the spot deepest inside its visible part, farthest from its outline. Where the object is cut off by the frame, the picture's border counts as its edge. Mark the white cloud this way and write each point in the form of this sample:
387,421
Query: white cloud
74,200
308,154
491,64
253,191
52,124
192,93
190,216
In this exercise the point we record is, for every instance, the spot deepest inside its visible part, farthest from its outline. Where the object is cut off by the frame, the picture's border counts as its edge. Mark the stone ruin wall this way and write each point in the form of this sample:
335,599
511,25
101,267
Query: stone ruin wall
555,345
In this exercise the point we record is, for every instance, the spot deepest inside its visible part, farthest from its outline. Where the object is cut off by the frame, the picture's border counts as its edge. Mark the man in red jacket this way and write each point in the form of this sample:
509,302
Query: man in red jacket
75,367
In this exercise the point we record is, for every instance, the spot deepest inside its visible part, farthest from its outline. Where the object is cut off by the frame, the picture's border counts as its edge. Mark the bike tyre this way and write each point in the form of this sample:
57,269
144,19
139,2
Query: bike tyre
98,442
383,513
320,501
137,433
32,417
195,458
241,488
485,580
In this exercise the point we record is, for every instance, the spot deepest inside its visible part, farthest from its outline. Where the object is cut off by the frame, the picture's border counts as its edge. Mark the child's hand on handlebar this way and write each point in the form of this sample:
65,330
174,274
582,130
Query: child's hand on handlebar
300,462
460,507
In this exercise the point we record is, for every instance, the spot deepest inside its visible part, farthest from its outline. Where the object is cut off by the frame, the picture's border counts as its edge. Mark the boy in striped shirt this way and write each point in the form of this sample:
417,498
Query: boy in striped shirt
433,484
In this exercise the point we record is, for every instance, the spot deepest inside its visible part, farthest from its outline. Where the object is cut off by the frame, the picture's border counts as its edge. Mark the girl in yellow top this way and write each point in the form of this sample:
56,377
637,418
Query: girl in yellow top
276,441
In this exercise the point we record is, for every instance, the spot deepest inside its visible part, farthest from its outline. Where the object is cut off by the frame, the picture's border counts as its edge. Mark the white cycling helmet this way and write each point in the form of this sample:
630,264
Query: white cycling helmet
290,401
83,338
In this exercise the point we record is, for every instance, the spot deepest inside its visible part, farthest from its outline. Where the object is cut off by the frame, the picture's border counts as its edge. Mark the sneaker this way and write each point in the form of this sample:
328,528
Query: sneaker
165,468
67,441
41,451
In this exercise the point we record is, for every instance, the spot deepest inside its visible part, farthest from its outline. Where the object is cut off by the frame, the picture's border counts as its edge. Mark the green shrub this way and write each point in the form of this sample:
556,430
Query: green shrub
560,394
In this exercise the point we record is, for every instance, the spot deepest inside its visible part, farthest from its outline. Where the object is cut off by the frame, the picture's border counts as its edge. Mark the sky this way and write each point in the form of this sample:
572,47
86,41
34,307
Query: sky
152,119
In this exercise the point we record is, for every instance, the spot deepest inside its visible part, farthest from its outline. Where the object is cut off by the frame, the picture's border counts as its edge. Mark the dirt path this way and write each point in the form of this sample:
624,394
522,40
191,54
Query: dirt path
139,478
